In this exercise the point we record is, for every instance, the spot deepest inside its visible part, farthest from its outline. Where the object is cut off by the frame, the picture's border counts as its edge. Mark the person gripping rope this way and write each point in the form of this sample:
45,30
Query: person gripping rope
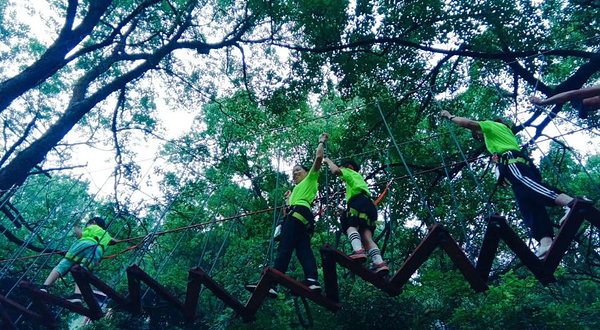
358,220
298,225
86,252
531,194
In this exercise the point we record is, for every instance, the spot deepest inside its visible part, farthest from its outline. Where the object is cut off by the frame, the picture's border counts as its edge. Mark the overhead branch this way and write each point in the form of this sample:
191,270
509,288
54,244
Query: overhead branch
11,237
54,57
451,52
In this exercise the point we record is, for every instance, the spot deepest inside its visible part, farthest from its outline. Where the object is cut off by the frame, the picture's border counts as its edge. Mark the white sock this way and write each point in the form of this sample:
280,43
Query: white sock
375,254
355,241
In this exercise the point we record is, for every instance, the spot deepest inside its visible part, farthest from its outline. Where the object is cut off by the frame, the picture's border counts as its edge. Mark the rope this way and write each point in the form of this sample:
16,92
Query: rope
414,181
219,203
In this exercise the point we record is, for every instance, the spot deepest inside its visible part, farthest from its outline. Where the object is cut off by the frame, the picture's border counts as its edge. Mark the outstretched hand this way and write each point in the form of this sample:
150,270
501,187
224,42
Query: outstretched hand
324,137
446,114
535,100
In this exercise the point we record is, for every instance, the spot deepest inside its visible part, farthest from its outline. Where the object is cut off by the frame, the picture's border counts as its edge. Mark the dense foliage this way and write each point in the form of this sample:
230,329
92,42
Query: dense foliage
261,80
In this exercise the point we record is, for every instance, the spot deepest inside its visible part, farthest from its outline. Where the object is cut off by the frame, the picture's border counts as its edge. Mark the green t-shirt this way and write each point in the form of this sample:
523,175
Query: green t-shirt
498,137
355,184
95,233
305,192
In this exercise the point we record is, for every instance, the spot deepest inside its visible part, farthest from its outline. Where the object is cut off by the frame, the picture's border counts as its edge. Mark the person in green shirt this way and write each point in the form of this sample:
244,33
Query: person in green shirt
298,225
531,194
86,252
358,221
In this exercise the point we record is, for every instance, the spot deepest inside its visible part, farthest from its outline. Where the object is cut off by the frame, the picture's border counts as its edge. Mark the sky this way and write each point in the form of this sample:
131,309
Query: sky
100,164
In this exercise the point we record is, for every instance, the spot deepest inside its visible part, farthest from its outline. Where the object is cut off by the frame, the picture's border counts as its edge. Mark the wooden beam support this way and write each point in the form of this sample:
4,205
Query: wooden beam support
260,293
154,285
135,290
529,259
418,257
565,236
489,247
218,290
330,279
300,289
39,299
360,270
192,294
463,264
90,278
87,292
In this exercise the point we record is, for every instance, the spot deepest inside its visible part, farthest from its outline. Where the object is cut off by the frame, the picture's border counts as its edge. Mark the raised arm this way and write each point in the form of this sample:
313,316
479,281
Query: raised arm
462,121
320,152
334,169
565,97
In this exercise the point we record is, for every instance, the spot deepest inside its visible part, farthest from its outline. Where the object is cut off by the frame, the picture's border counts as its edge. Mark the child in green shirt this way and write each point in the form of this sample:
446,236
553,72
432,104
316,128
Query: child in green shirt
86,252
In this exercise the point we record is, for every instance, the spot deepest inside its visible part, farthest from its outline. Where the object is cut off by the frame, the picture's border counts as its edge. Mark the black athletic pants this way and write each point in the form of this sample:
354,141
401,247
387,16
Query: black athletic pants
295,235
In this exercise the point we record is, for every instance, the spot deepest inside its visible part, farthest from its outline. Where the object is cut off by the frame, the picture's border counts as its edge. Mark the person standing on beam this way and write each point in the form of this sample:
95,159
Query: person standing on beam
298,225
531,194
358,221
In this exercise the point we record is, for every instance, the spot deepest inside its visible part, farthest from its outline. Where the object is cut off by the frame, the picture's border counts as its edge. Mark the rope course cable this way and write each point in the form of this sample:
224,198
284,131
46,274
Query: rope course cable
412,178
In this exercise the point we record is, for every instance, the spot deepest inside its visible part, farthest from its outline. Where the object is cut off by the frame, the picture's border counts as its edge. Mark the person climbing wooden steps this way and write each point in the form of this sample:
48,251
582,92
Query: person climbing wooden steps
358,221
298,226
531,194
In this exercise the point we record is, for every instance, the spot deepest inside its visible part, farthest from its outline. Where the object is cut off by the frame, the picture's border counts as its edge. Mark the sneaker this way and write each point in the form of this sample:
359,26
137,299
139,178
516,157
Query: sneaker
45,288
312,284
564,217
359,255
75,298
252,287
381,269
277,234
542,251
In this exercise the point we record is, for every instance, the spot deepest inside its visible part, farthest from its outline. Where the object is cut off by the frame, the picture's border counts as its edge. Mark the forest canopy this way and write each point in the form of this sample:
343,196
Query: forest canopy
197,110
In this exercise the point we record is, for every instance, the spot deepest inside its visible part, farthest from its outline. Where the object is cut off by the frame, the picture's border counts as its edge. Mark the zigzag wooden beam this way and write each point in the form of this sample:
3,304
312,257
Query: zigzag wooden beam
330,253
498,230
5,302
8,323
218,290
565,235
135,275
477,276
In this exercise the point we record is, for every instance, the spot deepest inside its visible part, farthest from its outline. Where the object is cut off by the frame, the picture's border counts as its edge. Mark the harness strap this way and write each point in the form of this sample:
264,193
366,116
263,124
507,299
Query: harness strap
300,217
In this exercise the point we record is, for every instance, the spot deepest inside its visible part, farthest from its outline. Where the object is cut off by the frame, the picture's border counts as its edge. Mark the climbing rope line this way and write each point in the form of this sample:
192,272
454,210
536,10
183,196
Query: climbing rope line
64,230
41,224
229,158
381,183
271,249
414,181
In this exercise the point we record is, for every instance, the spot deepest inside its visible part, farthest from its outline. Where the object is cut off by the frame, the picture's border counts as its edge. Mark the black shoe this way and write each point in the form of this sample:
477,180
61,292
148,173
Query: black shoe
75,298
312,284
252,287
45,288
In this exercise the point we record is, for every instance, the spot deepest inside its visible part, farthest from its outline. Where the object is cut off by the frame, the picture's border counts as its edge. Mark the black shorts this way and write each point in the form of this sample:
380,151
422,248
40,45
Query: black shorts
360,213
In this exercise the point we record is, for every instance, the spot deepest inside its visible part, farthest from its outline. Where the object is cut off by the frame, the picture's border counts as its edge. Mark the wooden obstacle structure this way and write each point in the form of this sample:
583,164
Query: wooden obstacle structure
476,275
